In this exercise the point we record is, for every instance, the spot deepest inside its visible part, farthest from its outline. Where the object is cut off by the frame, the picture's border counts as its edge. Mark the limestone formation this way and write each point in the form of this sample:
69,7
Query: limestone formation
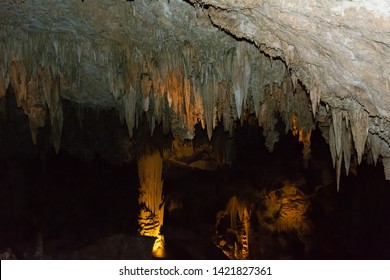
307,63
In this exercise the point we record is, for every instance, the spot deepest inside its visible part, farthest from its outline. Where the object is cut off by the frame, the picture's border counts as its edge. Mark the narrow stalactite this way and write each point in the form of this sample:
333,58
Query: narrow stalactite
151,199
304,138
359,128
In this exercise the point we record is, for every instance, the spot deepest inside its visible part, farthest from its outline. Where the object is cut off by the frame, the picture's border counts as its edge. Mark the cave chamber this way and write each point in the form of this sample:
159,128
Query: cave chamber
193,129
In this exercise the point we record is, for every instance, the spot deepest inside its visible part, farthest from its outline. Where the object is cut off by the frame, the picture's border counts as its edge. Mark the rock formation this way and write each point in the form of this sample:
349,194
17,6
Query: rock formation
311,64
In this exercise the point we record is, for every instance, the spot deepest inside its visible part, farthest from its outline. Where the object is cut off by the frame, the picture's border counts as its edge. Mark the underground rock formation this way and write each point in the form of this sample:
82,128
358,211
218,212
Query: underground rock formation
179,63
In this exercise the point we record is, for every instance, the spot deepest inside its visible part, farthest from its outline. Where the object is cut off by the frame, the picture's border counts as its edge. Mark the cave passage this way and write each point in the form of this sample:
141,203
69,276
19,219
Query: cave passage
256,205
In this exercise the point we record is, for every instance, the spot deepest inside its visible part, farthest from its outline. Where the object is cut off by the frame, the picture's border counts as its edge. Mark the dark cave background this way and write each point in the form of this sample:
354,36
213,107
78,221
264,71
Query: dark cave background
86,196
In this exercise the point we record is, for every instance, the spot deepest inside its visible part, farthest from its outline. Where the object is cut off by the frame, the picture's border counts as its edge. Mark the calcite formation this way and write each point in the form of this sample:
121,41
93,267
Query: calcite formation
310,64
239,213
151,199
253,221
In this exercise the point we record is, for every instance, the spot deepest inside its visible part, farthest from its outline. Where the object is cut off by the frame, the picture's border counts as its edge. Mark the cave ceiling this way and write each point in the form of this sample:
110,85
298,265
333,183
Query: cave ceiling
309,63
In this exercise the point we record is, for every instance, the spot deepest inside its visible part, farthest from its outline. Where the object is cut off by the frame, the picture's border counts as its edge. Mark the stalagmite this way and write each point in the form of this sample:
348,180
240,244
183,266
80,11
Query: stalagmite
239,215
257,85
151,199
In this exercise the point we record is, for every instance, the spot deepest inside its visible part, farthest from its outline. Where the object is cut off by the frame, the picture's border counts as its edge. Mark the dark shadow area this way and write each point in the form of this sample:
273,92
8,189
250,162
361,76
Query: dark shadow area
88,209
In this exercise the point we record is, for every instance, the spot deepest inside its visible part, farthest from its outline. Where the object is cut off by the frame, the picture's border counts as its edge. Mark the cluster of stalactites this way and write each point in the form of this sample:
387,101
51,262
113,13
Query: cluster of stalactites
351,134
36,82
176,85
345,127
184,85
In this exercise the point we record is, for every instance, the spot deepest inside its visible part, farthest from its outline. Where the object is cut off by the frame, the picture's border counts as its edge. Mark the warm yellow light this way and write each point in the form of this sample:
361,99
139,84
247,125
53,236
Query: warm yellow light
159,247
303,138
151,215
239,214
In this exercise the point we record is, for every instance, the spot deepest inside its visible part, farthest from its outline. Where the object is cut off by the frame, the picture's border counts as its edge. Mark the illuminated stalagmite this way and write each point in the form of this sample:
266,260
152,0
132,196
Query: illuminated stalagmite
239,215
262,222
151,199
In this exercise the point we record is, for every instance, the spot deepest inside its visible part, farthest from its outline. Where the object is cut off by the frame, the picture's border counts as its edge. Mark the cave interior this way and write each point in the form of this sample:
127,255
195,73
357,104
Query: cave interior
192,130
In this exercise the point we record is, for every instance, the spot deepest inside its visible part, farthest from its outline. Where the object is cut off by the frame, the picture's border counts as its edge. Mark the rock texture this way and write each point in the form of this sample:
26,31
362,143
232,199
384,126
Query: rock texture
308,63
338,55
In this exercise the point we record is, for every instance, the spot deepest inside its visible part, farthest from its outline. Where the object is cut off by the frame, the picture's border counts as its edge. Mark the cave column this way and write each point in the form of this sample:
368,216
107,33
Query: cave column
151,200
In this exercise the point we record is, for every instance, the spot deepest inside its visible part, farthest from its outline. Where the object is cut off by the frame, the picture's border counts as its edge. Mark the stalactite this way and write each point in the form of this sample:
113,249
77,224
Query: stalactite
18,78
4,81
208,91
158,89
146,85
359,128
241,70
129,102
268,118
386,166
304,138
337,125
35,108
178,85
56,115
332,145
315,94
374,145
340,140
224,110
115,77
347,145
52,92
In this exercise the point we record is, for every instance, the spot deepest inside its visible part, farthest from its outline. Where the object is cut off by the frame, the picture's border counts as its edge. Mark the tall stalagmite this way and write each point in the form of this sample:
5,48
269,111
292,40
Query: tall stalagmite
240,226
151,199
